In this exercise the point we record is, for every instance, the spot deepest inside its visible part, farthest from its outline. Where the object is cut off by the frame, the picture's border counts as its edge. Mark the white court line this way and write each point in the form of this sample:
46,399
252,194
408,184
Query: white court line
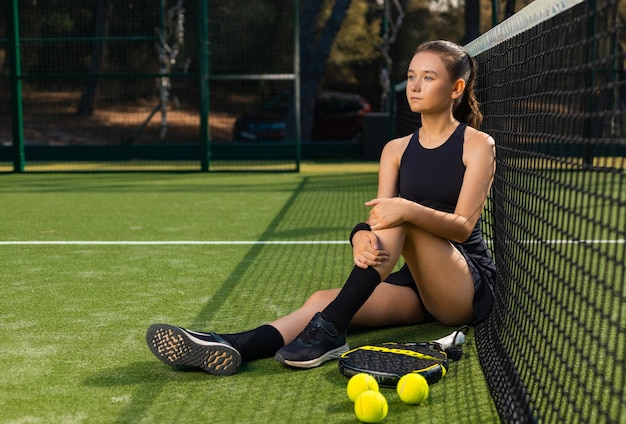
248,242
617,241
168,242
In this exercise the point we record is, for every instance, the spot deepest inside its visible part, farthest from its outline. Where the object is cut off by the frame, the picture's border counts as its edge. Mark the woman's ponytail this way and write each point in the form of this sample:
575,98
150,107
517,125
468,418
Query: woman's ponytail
467,109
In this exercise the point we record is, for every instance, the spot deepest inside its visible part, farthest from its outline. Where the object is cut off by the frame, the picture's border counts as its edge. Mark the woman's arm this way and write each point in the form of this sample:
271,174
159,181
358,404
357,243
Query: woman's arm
479,159
365,244
389,167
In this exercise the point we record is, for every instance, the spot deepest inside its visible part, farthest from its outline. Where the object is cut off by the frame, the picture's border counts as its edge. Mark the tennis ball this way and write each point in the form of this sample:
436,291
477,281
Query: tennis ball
371,407
360,383
412,388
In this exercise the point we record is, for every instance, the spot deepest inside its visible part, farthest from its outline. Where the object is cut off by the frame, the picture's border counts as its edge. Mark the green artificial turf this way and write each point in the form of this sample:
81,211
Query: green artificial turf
73,316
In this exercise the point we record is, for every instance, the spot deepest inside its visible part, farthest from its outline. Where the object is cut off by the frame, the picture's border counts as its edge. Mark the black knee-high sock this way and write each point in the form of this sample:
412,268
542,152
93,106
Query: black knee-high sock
262,342
358,288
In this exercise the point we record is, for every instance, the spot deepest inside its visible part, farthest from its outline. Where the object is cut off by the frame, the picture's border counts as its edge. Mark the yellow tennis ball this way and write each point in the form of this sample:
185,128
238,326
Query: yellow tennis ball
412,388
371,407
360,383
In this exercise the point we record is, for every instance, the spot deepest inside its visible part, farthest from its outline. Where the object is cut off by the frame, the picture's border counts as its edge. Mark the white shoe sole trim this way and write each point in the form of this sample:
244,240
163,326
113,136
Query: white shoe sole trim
331,354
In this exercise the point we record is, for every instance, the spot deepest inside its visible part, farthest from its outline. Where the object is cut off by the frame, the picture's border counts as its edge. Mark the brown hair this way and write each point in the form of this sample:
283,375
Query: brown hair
460,65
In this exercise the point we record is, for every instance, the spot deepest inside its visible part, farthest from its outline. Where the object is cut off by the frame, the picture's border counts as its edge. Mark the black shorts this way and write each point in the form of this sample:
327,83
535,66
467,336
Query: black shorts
483,283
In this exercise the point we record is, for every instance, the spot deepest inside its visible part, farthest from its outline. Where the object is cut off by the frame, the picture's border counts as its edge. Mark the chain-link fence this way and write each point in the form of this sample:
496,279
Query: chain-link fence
202,85
149,84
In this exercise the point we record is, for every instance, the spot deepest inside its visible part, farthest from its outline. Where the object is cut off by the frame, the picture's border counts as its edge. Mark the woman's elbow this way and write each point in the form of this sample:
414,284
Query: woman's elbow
459,238
462,232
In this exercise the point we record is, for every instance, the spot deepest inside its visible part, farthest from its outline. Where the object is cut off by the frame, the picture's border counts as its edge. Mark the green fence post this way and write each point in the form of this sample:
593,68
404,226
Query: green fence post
590,130
296,71
15,81
494,13
203,82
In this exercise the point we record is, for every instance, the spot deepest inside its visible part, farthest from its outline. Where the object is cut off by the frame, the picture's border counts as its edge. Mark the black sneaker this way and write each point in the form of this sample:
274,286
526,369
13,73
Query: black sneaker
178,346
319,342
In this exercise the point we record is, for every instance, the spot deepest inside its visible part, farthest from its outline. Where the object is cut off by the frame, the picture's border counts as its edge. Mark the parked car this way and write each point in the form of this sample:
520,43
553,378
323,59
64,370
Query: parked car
338,116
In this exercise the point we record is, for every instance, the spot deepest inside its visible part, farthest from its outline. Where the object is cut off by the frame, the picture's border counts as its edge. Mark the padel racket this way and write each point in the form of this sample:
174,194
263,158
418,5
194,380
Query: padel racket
388,362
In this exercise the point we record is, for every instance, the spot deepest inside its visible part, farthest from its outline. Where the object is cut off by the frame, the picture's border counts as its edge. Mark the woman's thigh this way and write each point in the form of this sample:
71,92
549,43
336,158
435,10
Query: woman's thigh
443,277
390,304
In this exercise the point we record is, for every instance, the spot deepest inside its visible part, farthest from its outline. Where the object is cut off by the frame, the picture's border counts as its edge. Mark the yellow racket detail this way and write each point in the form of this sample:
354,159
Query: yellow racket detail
397,351
388,362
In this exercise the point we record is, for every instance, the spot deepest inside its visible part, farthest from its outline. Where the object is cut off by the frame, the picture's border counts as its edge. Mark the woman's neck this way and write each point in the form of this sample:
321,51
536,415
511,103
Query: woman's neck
435,130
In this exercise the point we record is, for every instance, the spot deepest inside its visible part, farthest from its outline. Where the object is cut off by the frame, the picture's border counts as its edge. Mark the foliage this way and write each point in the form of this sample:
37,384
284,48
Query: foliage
242,38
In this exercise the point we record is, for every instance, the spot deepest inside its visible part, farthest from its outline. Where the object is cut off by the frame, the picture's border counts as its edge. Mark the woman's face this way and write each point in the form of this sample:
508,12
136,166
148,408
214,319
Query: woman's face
429,88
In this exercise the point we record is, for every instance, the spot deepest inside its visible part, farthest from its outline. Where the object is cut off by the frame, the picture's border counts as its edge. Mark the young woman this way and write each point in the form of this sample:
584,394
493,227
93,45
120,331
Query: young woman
432,188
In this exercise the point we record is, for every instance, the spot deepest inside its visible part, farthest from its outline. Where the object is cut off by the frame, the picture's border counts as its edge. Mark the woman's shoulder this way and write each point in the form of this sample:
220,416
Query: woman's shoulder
394,150
478,146
478,138
399,144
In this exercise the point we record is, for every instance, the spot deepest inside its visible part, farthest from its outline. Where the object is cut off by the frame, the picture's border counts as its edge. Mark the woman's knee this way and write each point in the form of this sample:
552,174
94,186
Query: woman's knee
321,298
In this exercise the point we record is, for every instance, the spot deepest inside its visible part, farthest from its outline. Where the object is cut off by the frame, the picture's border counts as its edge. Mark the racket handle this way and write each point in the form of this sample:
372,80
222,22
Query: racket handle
456,338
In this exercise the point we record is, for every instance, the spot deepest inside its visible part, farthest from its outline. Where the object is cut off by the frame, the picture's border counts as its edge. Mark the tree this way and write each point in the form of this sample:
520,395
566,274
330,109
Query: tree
314,52
389,36
87,104
509,9
472,20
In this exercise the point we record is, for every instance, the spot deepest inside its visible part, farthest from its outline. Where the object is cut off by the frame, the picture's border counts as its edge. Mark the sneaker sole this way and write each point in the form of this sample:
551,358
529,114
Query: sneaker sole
175,346
328,356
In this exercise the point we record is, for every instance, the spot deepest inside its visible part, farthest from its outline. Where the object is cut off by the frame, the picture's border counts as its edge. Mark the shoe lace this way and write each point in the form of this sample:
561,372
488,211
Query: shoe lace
309,333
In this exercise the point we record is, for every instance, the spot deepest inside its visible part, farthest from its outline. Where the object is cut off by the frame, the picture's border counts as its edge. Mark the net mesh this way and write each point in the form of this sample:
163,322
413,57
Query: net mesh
553,95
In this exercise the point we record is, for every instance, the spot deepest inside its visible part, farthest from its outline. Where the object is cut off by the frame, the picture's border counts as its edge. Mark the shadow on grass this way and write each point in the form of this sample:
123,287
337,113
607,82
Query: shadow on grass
151,378
151,383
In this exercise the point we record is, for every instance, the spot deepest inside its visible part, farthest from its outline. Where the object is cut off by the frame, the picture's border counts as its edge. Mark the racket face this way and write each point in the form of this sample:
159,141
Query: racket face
388,362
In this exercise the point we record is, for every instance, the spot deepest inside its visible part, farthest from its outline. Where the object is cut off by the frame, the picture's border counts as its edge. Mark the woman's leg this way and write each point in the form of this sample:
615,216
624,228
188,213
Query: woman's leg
221,354
389,304
438,268
441,273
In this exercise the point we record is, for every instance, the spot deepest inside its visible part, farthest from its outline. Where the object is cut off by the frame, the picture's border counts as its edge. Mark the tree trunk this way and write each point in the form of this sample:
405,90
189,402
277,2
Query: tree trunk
472,20
87,104
314,55
509,9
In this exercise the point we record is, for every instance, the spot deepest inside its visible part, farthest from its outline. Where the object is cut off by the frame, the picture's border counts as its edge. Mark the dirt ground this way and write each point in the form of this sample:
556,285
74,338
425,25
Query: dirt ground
50,118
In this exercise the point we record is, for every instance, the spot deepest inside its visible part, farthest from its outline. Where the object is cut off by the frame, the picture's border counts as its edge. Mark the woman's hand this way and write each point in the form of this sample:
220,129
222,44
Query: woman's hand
386,213
365,250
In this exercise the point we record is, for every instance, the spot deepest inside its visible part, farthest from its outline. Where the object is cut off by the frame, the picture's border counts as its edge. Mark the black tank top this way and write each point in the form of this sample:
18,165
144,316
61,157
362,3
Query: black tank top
433,177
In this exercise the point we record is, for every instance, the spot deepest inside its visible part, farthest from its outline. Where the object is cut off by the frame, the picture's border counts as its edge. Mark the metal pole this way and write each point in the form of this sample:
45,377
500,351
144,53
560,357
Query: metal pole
296,82
589,129
15,78
494,13
203,82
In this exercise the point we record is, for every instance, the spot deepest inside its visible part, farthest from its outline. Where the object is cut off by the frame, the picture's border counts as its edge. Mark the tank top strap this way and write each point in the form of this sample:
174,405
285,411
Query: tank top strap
457,137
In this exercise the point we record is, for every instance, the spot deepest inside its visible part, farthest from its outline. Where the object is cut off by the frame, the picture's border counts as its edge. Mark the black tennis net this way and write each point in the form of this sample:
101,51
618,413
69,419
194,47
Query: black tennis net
552,84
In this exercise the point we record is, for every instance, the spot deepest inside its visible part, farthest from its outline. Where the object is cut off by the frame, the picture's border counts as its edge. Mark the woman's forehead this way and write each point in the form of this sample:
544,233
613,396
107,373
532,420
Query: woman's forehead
426,59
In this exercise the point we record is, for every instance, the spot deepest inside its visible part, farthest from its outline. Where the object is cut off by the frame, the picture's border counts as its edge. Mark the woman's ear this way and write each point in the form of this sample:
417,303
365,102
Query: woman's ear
458,89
